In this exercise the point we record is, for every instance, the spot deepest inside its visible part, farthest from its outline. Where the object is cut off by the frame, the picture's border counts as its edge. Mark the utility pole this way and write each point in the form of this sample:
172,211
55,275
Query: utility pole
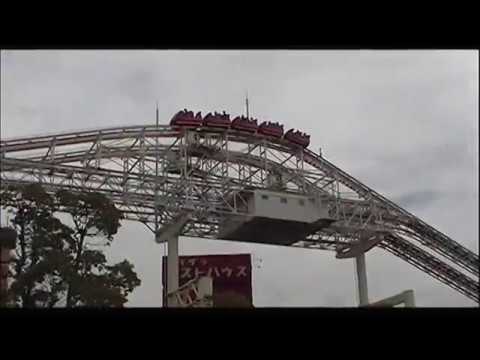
156,178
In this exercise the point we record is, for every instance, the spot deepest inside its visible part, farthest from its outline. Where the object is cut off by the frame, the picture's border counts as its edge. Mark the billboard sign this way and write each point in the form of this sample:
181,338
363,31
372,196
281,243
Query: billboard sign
231,274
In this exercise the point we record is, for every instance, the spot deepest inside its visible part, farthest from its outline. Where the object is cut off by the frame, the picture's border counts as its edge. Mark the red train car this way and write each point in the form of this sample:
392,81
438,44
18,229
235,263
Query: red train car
186,118
297,137
243,123
271,129
217,120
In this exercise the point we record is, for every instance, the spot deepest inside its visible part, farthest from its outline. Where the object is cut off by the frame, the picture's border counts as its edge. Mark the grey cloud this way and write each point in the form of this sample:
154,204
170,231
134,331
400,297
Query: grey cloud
420,198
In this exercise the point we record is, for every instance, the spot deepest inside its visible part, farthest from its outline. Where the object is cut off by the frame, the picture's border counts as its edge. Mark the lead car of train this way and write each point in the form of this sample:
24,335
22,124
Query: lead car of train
186,118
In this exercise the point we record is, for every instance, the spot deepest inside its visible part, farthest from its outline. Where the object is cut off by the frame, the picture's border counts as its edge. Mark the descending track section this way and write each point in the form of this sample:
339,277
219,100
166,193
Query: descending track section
431,265
429,236
202,170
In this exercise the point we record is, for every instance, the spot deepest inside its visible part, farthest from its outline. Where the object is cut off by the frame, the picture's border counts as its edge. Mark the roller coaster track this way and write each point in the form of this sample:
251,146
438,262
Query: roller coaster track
204,170
429,236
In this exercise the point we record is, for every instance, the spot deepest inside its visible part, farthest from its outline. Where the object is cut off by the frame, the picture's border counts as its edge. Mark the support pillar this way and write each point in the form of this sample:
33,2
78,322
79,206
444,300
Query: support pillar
409,298
361,279
172,269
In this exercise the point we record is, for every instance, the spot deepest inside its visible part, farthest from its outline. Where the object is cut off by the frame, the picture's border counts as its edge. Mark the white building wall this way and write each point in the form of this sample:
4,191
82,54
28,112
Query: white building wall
286,206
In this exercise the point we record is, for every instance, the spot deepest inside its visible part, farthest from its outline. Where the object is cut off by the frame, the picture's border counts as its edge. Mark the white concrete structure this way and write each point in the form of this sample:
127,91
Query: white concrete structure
173,269
286,206
362,279
274,217
406,297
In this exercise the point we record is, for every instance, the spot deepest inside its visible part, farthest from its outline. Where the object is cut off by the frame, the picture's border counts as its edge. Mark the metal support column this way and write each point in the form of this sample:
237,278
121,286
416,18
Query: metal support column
361,279
172,269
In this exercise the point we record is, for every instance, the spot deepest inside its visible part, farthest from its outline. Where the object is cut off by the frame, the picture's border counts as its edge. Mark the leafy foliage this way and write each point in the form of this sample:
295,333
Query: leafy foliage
61,265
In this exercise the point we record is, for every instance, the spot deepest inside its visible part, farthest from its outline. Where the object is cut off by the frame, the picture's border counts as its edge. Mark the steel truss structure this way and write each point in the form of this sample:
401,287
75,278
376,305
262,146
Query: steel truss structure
210,173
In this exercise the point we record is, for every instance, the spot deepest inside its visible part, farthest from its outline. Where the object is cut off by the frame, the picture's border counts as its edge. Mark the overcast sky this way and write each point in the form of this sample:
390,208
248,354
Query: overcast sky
403,122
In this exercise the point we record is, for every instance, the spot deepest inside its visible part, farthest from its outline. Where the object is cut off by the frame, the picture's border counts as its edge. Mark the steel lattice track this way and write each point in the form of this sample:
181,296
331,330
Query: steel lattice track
431,265
211,171
431,237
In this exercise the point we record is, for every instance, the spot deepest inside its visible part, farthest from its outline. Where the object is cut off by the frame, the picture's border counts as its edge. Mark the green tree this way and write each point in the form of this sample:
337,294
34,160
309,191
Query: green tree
57,264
